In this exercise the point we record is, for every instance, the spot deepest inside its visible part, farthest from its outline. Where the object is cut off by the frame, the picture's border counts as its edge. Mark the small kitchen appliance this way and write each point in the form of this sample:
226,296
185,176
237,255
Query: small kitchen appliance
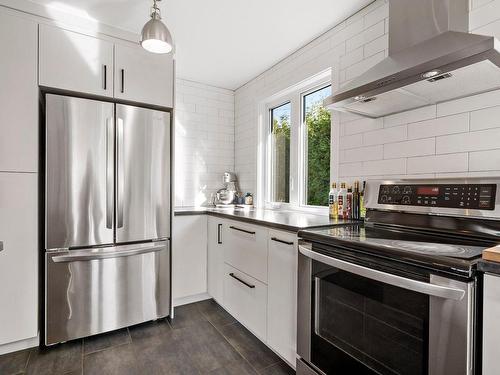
398,294
226,196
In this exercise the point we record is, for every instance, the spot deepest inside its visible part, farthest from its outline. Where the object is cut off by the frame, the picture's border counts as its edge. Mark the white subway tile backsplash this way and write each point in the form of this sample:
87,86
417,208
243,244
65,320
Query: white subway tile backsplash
204,142
376,15
362,125
383,136
471,141
419,114
485,118
470,103
417,147
485,14
351,141
484,160
350,169
438,163
351,58
384,167
439,126
408,139
363,154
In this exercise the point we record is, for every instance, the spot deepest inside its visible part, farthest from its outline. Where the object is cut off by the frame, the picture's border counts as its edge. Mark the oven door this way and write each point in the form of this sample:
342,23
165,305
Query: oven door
354,319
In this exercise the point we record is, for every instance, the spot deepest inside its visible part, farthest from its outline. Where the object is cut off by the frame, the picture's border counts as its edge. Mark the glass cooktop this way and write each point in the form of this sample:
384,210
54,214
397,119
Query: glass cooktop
411,242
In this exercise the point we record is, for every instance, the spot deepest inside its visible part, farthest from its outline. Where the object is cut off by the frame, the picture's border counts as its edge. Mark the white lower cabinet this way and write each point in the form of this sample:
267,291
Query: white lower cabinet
216,258
189,257
491,325
246,299
19,257
252,273
282,294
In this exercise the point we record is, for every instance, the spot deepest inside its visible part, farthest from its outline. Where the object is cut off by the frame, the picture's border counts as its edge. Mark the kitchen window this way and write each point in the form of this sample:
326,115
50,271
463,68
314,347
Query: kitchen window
295,139
280,150
317,128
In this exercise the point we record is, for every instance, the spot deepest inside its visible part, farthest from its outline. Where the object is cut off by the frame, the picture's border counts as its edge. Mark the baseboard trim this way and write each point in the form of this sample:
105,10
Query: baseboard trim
190,299
19,345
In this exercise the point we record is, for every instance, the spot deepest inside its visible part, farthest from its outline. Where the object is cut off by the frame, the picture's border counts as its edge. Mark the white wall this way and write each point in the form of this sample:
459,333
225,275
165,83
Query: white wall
459,138
204,140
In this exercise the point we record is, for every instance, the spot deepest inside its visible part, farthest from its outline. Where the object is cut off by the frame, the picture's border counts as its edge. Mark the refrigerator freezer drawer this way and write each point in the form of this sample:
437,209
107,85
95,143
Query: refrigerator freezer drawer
99,290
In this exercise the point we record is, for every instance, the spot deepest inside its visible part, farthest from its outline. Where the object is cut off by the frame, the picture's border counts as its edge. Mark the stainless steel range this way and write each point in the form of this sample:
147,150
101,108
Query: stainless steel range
397,294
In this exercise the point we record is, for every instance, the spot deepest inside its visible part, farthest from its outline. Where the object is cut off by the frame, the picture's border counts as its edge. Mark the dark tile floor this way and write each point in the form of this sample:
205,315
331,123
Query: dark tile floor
202,339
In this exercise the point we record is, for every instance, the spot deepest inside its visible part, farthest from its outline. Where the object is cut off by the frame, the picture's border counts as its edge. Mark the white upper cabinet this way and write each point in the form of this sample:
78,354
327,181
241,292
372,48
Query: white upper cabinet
143,77
18,94
76,62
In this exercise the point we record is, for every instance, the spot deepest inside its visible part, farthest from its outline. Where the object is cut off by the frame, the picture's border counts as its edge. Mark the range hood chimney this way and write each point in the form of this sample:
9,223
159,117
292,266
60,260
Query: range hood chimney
432,59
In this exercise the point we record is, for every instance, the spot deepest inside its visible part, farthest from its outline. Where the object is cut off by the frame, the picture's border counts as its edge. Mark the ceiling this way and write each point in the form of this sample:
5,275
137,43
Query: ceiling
224,43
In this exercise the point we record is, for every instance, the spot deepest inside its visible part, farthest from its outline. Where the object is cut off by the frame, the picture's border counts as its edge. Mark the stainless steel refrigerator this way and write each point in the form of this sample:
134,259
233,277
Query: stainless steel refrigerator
107,216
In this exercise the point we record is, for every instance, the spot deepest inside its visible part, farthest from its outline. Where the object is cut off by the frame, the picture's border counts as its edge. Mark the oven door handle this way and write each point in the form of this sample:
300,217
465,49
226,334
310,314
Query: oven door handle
387,278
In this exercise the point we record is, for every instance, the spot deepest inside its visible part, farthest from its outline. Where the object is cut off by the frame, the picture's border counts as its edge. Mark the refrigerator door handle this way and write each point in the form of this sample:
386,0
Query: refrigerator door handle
120,178
109,172
79,256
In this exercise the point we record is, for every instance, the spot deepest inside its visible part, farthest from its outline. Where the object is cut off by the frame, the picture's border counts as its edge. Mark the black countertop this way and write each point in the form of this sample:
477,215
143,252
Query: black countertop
489,267
280,219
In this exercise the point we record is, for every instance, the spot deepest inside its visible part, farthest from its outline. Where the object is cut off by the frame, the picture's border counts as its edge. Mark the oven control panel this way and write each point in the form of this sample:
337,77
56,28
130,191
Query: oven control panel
466,196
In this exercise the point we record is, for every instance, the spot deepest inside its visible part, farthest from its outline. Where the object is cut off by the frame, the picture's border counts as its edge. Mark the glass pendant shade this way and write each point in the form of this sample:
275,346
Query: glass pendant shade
156,37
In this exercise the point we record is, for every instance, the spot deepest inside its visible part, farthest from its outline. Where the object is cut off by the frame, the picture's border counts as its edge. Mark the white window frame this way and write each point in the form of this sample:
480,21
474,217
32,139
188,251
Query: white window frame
298,145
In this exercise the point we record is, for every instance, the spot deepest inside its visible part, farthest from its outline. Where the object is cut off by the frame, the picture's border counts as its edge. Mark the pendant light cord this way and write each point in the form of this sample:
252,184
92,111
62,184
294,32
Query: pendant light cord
155,10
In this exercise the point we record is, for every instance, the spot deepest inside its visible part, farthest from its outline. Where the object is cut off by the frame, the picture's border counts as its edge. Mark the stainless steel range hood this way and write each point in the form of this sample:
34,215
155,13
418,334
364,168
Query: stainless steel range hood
432,59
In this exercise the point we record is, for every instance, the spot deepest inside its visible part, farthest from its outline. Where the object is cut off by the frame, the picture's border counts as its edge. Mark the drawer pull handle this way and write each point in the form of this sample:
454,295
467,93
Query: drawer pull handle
219,234
281,241
241,281
242,230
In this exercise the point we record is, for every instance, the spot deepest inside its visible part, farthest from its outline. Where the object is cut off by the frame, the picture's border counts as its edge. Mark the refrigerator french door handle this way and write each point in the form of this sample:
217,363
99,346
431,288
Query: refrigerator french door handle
89,255
120,178
109,172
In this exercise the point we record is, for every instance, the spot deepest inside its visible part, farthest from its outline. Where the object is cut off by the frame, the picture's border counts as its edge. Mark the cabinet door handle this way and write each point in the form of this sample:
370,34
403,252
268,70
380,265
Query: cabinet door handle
281,241
242,230
122,79
105,77
241,281
219,234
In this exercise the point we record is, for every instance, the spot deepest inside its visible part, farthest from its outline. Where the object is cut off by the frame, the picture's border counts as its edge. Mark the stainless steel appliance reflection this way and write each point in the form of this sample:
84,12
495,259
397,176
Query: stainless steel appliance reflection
107,217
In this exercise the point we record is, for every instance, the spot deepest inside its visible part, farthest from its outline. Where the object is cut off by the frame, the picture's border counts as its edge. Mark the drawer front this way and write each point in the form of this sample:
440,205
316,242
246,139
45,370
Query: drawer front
246,299
245,248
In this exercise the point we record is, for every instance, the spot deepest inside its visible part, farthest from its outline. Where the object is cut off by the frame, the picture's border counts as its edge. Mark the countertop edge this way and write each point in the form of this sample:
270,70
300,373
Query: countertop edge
490,267
268,224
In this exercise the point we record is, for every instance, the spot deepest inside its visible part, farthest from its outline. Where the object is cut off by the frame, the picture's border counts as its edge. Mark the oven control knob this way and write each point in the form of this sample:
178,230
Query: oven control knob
407,190
383,198
406,199
395,190
385,190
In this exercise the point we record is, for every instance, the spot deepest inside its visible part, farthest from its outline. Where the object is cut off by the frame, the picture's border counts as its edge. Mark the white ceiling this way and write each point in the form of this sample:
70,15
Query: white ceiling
224,43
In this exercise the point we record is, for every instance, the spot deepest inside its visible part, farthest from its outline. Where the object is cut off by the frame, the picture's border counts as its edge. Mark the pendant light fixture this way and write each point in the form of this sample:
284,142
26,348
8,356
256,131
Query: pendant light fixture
156,37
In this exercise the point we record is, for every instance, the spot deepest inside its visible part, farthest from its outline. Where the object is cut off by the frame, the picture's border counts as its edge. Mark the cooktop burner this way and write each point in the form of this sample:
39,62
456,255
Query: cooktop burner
402,241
